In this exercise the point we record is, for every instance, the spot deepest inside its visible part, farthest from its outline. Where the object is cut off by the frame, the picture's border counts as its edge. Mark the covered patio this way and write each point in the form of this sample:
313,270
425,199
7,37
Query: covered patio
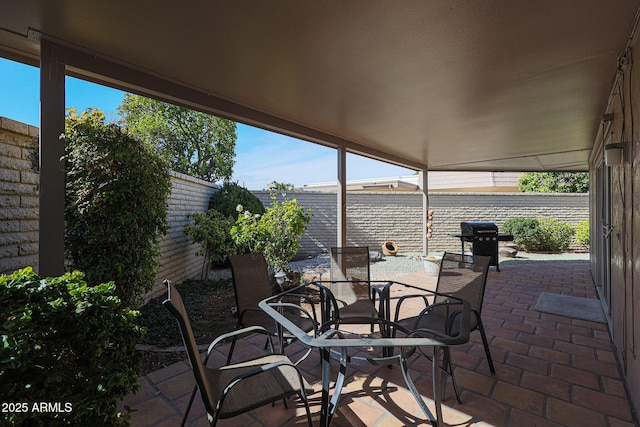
439,85
550,370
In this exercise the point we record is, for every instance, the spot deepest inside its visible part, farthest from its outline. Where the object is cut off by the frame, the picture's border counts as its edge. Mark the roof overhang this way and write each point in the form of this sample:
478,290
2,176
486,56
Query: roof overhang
448,85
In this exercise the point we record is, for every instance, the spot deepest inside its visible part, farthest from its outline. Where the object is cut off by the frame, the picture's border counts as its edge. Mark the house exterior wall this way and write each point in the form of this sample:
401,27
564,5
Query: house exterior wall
618,239
18,197
375,217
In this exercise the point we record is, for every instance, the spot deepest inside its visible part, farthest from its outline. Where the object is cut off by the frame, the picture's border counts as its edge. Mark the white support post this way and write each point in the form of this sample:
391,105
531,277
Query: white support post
341,239
425,211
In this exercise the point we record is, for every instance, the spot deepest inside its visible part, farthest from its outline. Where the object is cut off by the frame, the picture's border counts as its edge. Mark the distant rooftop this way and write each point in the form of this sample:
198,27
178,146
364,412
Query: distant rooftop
437,181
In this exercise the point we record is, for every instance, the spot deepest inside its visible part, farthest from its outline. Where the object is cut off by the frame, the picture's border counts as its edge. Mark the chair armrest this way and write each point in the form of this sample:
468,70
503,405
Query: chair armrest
403,298
309,301
449,319
383,295
328,303
302,310
235,333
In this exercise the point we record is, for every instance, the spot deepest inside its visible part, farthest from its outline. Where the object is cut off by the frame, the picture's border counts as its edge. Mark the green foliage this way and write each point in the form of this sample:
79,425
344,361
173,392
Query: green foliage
524,231
195,143
582,233
227,198
553,235
554,182
276,233
279,186
64,341
541,234
116,206
212,230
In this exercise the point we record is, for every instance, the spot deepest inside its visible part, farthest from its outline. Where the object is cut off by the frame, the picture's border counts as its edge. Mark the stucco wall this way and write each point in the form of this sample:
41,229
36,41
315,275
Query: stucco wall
18,197
375,217
620,232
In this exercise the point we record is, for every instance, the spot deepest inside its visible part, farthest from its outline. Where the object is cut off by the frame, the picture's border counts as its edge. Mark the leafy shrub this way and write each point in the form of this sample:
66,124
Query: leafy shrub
213,231
554,235
524,231
64,341
116,204
231,195
276,233
582,233
541,234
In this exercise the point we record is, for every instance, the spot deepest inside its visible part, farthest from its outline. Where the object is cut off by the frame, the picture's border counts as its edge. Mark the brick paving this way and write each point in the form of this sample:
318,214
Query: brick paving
550,370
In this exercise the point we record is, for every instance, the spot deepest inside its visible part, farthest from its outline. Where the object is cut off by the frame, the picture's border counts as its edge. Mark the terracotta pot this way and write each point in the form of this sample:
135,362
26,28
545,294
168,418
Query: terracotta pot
389,248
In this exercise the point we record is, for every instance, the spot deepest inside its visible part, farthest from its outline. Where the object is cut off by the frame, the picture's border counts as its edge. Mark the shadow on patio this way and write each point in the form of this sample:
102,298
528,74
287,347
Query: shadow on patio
550,370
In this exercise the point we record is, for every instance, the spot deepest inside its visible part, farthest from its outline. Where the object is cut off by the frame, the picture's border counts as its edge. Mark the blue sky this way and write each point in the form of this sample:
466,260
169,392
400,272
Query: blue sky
261,156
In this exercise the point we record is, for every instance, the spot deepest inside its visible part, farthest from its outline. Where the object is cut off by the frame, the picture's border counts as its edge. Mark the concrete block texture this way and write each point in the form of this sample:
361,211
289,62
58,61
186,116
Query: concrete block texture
376,217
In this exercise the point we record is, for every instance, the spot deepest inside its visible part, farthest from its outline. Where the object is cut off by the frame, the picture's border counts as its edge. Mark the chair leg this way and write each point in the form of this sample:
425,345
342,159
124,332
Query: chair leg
448,368
485,343
233,346
186,412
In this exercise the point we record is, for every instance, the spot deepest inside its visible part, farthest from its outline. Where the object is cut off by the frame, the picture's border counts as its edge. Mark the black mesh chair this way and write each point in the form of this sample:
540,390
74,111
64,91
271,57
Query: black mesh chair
350,285
234,389
460,276
252,284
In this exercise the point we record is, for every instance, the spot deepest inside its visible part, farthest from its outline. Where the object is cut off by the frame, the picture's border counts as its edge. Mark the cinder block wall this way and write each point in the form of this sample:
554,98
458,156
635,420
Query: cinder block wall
178,255
372,217
19,212
18,197
375,217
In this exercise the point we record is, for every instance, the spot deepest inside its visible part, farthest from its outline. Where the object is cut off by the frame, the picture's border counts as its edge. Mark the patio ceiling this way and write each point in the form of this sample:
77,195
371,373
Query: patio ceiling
452,85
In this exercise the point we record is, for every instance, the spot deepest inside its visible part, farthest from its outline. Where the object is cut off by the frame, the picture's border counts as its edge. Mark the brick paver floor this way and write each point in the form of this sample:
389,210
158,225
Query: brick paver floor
550,370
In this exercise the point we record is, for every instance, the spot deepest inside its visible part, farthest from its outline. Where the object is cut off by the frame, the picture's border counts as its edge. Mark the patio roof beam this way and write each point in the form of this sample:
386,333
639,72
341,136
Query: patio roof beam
92,67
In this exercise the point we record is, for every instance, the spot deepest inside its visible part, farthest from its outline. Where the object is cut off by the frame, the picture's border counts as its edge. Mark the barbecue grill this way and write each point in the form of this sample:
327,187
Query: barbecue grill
484,238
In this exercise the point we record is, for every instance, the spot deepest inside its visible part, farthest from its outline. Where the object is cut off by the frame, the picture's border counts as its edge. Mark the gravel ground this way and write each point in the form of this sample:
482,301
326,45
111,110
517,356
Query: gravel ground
408,262
399,265
411,262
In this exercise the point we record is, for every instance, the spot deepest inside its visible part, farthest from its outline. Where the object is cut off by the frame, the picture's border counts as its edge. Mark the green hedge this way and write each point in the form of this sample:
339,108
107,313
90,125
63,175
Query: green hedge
539,234
227,199
67,346
116,208
583,237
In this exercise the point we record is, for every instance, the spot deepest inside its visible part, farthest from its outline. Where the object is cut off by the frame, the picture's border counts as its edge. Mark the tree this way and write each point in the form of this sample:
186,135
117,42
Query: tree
279,186
116,209
227,199
194,143
554,182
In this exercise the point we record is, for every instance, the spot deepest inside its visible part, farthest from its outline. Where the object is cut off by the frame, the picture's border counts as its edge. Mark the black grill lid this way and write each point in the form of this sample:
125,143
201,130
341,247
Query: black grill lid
473,228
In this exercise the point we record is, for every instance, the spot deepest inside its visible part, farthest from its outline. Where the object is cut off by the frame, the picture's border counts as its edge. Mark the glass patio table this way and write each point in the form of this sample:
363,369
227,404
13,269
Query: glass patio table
336,343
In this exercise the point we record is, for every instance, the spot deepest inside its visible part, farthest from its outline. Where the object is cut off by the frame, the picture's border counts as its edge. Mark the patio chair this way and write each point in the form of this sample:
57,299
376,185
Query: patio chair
252,284
350,285
233,389
461,276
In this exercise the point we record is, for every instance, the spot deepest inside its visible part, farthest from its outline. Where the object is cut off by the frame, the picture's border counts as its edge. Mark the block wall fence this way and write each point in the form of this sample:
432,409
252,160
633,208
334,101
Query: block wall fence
19,210
179,259
376,217
18,197
372,217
